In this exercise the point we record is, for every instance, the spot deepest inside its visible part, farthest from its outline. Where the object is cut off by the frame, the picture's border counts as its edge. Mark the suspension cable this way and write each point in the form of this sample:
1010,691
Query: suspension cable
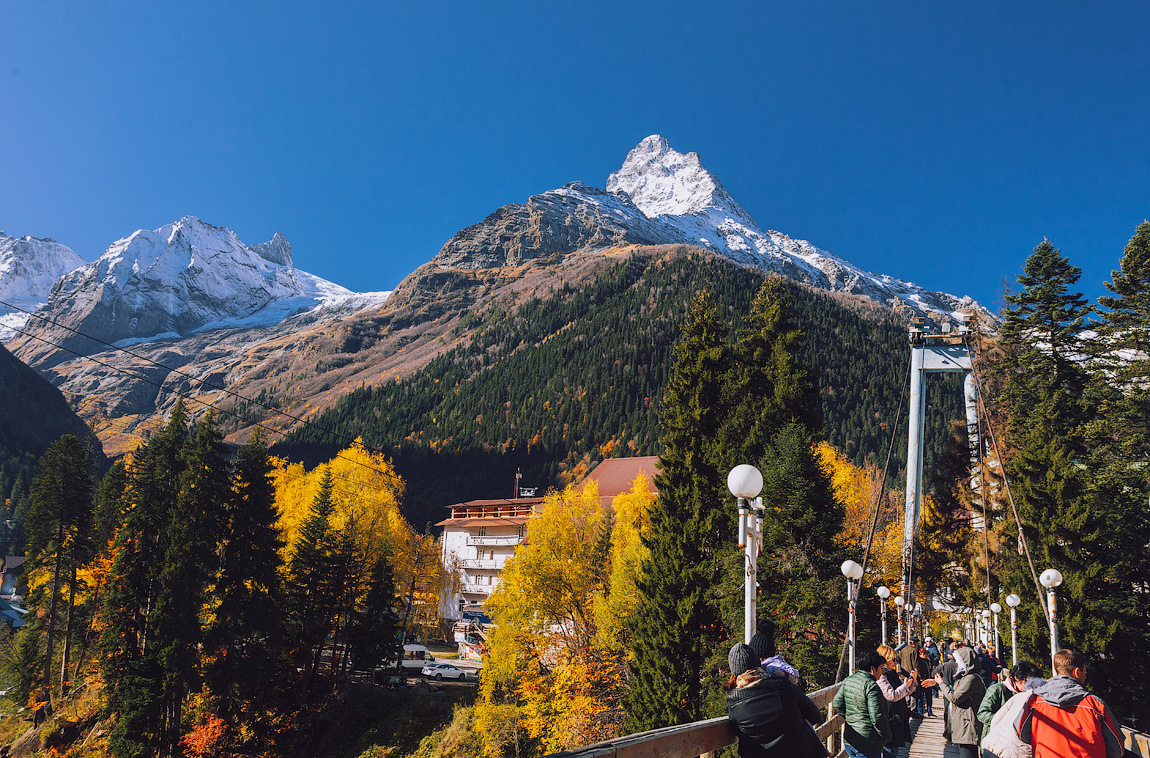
879,496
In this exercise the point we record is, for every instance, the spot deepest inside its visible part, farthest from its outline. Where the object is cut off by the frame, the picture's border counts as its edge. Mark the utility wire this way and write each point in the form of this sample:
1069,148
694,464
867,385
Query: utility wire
140,357
394,479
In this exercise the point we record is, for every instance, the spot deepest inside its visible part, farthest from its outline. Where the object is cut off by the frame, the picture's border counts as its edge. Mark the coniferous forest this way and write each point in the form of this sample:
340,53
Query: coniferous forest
553,385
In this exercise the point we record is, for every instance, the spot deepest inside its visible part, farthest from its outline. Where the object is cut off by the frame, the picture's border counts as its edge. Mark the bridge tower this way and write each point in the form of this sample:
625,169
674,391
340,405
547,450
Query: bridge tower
945,352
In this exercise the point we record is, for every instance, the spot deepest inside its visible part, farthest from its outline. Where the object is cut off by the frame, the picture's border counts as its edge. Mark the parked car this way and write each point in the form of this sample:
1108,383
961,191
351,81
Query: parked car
444,671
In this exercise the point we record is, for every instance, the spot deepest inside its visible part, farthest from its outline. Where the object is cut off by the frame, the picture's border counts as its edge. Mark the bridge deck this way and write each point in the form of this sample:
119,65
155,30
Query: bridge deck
928,741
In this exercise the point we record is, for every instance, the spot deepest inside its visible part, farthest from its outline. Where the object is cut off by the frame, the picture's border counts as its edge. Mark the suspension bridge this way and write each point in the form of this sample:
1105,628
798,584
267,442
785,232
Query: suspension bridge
944,352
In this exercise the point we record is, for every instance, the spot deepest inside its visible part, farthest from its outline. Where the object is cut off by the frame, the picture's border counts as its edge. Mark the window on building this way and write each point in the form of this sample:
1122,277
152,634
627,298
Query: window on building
482,532
519,531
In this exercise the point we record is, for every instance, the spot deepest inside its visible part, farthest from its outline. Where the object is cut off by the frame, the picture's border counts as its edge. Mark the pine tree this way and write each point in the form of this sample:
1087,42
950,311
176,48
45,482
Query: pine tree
58,533
247,633
677,624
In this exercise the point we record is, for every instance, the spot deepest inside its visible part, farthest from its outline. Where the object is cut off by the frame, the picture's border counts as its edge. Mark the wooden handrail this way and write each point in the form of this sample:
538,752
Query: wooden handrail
699,738
1137,743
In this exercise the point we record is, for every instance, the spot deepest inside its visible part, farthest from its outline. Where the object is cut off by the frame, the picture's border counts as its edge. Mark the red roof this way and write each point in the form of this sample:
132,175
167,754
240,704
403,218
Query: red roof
499,501
616,475
485,521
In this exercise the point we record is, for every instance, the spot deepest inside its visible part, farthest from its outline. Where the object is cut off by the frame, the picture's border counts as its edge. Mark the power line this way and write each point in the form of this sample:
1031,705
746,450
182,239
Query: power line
157,364
140,377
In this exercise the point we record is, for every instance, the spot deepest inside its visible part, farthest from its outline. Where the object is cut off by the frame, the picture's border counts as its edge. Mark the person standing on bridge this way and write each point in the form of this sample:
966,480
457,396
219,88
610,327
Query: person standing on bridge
772,717
1063,720
862,704
964,697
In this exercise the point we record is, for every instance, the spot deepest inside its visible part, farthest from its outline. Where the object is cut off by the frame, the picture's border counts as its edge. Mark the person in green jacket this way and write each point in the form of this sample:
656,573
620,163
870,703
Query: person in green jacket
999,692
861,703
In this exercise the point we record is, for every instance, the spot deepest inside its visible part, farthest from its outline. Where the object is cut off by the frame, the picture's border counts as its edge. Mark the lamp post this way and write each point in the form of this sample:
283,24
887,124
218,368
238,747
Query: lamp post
883,594
1051,579
1013,600
853,572
745,483
899,603
996,609
985,627
909,621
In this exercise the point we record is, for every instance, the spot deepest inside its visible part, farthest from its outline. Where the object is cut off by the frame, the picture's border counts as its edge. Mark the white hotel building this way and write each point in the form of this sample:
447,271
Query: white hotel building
481,535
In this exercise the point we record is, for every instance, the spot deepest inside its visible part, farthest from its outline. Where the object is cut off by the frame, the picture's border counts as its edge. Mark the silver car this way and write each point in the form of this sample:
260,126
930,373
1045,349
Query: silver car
444,671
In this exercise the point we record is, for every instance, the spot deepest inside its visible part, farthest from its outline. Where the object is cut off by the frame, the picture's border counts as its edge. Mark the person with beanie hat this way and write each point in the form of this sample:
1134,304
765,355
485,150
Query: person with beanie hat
763,643
773,718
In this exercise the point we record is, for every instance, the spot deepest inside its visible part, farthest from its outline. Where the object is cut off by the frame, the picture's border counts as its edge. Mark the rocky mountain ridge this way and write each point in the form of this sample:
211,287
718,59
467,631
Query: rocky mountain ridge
662,196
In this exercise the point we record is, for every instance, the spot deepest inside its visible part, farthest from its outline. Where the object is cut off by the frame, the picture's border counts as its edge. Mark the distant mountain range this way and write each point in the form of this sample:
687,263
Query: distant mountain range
194,310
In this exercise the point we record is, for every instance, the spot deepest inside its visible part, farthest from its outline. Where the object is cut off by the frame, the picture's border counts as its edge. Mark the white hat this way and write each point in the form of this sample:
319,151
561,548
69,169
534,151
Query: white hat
929,638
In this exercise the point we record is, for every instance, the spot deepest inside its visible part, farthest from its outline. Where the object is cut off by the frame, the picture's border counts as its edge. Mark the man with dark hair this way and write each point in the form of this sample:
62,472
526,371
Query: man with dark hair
998,693
861,703
1063,720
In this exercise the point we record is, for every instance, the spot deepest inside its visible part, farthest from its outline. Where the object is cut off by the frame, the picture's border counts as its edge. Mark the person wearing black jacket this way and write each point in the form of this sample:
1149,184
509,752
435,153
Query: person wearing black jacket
772,717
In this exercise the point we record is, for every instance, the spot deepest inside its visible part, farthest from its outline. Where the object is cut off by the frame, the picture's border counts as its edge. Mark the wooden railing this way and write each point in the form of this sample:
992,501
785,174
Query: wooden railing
1137,743
701,738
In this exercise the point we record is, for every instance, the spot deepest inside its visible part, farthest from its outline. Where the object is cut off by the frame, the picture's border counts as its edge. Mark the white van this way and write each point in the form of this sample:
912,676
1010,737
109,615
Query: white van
415,657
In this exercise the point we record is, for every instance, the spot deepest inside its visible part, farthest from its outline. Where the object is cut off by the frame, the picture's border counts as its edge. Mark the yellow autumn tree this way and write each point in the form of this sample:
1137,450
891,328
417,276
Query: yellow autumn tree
857,489
366,492
556,670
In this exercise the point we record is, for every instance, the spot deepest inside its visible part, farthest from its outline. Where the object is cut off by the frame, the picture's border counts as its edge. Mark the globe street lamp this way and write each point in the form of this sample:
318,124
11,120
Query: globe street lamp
745,483
985,628
899,603
853,572
1051,579
883,594
909,610
1013,601
996,609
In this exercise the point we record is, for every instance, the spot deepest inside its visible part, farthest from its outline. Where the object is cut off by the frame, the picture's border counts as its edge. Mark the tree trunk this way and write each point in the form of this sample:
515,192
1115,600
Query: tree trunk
68,632
52,615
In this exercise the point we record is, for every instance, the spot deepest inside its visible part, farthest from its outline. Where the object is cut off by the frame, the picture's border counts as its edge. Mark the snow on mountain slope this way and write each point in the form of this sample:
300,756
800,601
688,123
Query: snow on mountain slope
183,278
28,269
675,189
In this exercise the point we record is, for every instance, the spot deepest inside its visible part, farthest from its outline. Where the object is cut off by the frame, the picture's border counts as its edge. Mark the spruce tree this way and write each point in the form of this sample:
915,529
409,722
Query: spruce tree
1119,445
248,632
677,623
59,523
131,667
373,635
1066,524
798,572
309,575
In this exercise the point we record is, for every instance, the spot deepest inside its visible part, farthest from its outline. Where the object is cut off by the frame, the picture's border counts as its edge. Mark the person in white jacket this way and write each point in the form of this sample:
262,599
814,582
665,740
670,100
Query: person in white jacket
1001,739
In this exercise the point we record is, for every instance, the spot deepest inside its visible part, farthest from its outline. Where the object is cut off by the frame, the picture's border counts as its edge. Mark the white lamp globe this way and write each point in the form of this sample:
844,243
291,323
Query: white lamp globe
986,614
1051,578
745,481
852,570
883,592
1013,600
899,601
996,608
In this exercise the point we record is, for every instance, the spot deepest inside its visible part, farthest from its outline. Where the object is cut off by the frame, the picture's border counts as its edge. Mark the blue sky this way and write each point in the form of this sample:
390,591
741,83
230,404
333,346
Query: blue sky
934,142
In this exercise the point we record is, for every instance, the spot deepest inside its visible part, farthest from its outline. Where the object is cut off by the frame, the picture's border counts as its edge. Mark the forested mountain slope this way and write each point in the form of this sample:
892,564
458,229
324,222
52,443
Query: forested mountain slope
557,381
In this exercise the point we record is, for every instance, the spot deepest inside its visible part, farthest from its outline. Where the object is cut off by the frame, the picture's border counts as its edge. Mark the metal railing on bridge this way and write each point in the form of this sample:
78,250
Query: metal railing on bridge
701,738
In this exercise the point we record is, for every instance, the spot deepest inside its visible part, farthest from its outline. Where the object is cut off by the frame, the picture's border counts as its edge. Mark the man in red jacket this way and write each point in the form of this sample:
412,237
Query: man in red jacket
1063,720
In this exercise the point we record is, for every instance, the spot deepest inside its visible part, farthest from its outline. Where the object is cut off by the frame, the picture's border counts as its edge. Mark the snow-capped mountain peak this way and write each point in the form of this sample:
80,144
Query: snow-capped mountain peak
28,268
188,277
664,182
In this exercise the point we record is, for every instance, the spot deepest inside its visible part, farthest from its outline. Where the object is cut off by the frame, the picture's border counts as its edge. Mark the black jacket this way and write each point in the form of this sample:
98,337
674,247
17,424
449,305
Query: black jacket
771,718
